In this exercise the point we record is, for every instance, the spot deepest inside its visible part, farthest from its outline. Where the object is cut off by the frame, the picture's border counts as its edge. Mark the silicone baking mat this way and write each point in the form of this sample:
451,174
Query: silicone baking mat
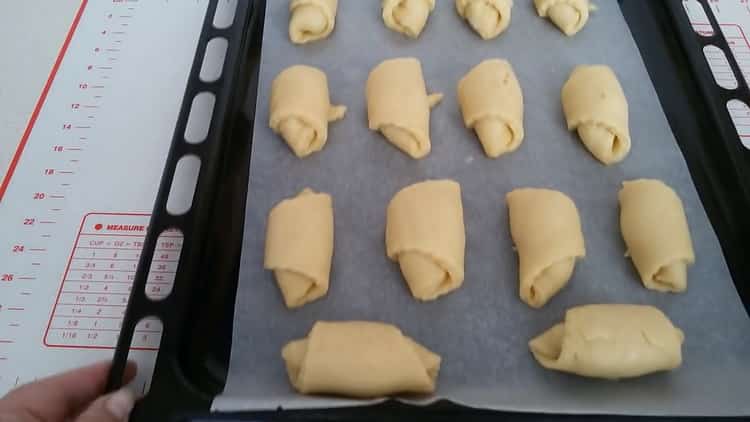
482,329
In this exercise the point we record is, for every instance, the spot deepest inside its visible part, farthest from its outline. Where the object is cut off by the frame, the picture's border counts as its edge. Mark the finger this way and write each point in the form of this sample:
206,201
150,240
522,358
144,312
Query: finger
114,407
61,396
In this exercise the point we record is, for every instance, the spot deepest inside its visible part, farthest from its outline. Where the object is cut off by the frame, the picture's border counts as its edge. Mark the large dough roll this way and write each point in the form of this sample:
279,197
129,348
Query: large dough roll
492,104
595,105
489,18
359,359
398,105
299,246
425,233
568,15
311,20
408,17
610,341
656,233
546,231
301,108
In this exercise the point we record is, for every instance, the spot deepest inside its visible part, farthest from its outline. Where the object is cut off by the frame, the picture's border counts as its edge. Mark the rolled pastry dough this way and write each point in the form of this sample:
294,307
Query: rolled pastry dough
489,18
656,233
301,108
425,233
359,359
311,20
408,17
595,105
492,104
398,105
610,341
568,15
299,246
546,231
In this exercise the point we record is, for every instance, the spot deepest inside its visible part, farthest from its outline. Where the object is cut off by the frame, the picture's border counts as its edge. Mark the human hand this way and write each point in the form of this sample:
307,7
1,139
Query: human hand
77,395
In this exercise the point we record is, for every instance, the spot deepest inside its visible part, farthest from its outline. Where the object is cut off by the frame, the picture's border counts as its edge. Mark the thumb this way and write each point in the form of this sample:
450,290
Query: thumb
114,407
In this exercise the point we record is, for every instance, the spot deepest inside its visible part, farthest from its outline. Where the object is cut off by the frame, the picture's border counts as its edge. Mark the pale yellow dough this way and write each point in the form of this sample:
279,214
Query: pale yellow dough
398,105
546,232
610,341
656,233
491,102
359,359
408,17
301,109
311,20
299,246
489,18
568,15
425,233
595,105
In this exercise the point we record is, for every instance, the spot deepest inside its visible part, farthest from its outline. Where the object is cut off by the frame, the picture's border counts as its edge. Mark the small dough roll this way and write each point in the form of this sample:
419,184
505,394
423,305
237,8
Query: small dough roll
359,359
408,17
568,15
398,105
492,104
610,341
489,18
301,109
311,20
656,233
595,105
546,231
425,233
299,246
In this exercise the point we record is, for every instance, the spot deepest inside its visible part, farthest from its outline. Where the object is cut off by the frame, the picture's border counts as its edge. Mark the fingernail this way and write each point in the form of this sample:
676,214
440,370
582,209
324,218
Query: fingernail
120,403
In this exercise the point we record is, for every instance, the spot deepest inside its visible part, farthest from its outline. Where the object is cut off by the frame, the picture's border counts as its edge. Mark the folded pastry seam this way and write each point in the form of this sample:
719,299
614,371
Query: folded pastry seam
311,20
408,17
488,18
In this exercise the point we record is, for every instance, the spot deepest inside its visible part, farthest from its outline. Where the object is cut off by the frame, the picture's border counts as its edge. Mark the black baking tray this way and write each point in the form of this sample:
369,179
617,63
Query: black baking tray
198,315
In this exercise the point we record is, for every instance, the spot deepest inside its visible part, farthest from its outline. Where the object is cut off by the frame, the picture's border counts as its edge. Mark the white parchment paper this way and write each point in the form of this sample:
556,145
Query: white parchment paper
481,330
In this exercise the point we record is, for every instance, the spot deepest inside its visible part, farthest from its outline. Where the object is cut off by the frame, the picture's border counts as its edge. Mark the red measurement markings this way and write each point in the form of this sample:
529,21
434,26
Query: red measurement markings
40,101
97,282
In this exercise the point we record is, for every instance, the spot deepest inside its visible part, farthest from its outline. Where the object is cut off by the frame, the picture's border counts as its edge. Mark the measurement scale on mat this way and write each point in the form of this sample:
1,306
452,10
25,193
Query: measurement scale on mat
75,198
733,17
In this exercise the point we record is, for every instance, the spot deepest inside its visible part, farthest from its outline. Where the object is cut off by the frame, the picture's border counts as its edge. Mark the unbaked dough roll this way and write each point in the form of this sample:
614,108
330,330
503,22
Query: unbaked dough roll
595,105
610,341
398,105
568,15
301,108
359,359
299,246
408,17
656,233
489,18
492,104
546,231
311,20
425,233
